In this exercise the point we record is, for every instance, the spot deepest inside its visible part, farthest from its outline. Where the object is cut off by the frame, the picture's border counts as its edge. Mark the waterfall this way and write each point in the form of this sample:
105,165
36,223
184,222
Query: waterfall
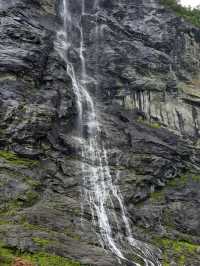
98,190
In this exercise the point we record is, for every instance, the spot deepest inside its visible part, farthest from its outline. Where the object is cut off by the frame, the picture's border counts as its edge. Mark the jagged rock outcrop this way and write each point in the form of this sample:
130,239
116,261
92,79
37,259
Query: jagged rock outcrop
144,66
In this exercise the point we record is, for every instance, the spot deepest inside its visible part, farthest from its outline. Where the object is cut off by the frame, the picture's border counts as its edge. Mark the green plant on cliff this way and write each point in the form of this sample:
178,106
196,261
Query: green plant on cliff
189,14
178,251
7,256
14,159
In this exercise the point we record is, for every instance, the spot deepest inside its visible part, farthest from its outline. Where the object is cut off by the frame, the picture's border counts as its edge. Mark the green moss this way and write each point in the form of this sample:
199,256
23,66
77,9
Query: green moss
11,208
168,219
191,15
44,259
179,251
31,197
178,246
42,242
157,196
166,264
179,181
33,227
149,123
183,180
155,125
31,182
7,255
12,158
196,178
69,232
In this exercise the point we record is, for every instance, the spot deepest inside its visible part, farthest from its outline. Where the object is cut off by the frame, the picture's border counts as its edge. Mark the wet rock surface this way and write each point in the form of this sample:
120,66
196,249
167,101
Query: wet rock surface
145,62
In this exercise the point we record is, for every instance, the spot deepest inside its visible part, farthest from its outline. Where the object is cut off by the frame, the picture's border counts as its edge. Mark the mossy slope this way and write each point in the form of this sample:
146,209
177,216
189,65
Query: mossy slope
7,256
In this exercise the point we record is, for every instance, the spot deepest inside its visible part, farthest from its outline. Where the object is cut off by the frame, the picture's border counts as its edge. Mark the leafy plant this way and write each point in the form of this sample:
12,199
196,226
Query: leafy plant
192,15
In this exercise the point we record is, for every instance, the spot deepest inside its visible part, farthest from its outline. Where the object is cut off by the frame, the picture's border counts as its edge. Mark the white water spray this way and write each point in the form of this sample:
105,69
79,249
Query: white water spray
98,190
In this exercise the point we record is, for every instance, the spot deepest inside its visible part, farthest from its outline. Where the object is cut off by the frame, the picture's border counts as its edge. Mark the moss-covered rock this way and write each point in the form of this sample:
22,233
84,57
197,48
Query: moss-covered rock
12,158
8,255
179,252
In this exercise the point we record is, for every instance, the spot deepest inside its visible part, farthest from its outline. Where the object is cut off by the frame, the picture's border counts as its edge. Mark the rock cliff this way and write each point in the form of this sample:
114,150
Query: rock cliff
143,62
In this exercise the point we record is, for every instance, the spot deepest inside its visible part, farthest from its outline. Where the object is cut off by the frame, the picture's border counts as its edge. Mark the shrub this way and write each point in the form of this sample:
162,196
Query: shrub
192,15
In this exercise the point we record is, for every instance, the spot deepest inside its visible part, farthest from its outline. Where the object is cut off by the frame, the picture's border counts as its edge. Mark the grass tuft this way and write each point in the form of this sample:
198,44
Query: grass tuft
12,158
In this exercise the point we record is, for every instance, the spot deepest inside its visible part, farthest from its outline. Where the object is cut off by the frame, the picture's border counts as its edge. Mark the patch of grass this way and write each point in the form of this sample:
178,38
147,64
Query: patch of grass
168,220
196,178
44,259
12,158
42,242
183,180
190,15
149,123
176,250
179,181
155,125
7,256
157,196
31,182
11,208
33,227
30,198
69,232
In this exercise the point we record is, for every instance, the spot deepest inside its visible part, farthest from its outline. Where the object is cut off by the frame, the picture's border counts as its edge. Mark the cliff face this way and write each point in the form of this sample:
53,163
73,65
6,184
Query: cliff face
143,63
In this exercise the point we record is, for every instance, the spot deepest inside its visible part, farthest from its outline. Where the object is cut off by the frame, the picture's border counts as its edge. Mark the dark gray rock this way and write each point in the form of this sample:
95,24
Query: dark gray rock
143,64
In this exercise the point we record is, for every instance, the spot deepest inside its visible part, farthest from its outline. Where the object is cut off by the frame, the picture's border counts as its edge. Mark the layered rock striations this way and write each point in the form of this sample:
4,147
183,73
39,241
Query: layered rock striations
143,72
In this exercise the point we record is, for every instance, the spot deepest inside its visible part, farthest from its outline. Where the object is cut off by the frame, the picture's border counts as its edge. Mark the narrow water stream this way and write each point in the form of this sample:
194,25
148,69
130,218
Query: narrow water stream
98,190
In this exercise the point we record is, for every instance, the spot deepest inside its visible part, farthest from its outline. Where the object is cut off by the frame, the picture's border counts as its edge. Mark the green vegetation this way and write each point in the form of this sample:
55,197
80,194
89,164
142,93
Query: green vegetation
196,178
157,196
12,158
183,180
149,123
30,198
34,227
7,255
191,15
179,181
179,251
42,242
10,208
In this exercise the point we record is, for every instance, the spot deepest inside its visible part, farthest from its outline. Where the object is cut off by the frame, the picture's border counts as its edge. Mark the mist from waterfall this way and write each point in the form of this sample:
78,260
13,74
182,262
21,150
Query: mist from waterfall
98,190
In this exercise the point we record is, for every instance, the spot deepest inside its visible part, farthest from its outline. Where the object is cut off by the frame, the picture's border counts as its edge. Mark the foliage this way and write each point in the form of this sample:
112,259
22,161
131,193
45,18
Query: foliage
182,250
151,124
8,255
189,14
42,242
12,158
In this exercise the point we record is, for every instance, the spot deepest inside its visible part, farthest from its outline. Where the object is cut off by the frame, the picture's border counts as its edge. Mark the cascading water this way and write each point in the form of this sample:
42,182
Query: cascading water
98,190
